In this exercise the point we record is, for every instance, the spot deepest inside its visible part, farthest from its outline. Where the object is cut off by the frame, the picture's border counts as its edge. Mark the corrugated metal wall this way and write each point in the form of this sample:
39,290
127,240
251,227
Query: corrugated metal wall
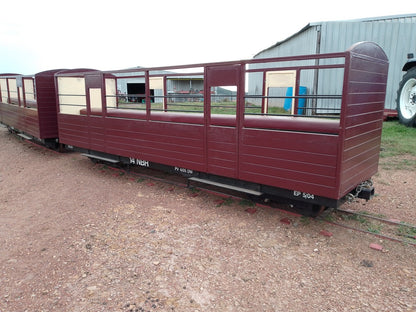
303,43
395,34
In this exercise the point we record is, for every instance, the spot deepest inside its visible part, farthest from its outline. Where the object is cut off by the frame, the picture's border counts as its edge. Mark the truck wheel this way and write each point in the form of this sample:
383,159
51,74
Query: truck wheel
406,98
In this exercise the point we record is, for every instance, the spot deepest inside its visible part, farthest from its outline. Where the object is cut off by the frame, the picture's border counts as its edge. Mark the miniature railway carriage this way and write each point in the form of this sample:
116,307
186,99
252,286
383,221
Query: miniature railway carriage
248,127
28,106
267,127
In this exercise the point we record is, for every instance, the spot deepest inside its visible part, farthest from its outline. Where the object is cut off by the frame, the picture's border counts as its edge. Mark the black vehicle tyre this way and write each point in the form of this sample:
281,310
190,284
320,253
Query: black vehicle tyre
406,98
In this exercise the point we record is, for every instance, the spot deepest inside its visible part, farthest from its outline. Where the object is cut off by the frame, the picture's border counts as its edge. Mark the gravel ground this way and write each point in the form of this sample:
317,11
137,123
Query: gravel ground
76,236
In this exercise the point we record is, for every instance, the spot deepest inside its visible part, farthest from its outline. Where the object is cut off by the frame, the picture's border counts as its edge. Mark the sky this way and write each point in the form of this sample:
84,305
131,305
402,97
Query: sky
107,35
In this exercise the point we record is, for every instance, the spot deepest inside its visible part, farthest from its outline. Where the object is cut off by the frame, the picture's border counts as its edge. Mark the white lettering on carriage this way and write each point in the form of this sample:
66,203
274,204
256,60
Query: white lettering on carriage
139,162
184,170
304,195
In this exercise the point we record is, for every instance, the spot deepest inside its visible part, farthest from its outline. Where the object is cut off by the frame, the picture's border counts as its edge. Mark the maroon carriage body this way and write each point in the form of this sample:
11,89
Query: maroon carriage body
318,160
28,104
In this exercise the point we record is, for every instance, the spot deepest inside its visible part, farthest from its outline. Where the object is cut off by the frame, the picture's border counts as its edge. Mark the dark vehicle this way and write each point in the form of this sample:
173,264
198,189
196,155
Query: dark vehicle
406,94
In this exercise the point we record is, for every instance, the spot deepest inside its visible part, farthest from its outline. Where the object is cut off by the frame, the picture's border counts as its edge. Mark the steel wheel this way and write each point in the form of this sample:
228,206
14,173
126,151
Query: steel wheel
406,98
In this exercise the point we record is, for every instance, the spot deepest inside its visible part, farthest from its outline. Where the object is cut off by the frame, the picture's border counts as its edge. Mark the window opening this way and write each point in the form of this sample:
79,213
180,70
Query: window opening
185,94
4,90
95,99
277,85
272,92
157,98
224,100
111,92
13,91
29,90
136,96
72,95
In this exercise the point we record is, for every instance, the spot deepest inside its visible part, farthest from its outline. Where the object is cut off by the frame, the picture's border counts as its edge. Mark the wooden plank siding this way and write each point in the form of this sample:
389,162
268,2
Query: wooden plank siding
222,151
291,160
73,130
362,116
46,103
24,119
31,124
174,144
318,156
39,120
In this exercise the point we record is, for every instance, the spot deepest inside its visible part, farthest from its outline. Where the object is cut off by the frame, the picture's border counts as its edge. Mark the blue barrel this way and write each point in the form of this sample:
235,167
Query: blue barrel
301,103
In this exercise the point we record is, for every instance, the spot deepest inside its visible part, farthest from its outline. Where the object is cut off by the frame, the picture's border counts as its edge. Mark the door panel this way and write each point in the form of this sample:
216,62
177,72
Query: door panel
96,122
221,109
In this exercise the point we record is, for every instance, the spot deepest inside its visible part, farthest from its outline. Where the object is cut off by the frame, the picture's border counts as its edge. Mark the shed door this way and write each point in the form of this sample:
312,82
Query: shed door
222,83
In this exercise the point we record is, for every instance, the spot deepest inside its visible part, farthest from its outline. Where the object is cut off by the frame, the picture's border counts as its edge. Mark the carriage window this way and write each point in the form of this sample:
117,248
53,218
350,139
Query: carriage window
95,99
13,91
157,99
111,92
3,88
272,92
30,96
224,100
279,84
176,90
136,96
131,92
185,94
72,95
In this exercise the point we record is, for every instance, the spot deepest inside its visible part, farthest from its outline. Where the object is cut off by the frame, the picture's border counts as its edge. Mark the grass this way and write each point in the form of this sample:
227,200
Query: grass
371,214
225,107
355,217
372,227
406,231
228,202
246,203
305,220
398,140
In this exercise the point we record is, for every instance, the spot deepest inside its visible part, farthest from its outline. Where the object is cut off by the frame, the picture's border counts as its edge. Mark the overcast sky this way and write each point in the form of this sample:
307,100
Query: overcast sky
44,34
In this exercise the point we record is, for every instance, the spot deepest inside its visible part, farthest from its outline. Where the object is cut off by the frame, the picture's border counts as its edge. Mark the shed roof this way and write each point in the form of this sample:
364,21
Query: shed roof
405,18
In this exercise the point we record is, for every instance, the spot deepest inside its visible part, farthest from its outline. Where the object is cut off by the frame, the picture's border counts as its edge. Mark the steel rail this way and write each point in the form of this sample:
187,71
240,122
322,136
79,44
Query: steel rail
388,221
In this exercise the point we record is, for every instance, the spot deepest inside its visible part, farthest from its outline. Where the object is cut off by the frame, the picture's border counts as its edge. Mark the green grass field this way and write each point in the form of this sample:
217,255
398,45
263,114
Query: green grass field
398,139
398,146
226,107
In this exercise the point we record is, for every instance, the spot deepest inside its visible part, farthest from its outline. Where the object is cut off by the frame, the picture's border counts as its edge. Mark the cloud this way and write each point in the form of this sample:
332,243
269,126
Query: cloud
47,34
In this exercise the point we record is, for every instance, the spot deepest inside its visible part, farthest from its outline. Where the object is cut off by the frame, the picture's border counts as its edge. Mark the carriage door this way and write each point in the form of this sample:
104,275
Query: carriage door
96,121
221,111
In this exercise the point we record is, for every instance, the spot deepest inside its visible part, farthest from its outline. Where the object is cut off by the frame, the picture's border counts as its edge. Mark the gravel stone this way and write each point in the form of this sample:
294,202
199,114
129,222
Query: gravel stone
75,236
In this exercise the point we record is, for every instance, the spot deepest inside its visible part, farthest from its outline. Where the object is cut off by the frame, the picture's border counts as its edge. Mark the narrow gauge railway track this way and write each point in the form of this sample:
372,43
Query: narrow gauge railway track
376,225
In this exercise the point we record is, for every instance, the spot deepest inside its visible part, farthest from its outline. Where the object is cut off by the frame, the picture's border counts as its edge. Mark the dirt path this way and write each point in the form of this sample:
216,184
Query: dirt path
78,237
